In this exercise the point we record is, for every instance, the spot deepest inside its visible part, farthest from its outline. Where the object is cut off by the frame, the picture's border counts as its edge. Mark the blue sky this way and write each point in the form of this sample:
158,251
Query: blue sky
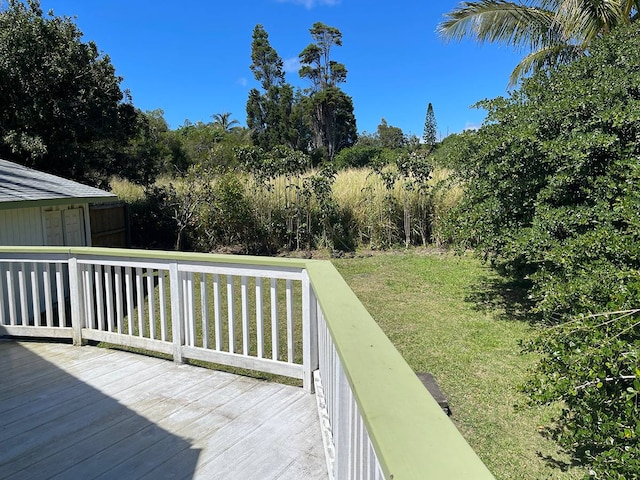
191,58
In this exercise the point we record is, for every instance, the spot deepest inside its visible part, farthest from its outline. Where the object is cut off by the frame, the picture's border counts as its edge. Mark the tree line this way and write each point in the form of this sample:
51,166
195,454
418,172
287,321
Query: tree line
62,108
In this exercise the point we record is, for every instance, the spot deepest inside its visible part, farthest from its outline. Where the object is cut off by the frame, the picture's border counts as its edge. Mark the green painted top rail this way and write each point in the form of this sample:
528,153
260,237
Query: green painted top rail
412,437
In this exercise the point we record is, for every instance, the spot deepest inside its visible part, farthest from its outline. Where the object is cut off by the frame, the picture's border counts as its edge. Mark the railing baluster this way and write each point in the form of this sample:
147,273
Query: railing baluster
11,296
109,299
140,302
151,303
190,315
62,316
275,344
89,311
98,281
47,286
289,302
231,314
217,312
24,309
163,305
245,316
2,302
35,295
259,319
117,275
129,294
204,308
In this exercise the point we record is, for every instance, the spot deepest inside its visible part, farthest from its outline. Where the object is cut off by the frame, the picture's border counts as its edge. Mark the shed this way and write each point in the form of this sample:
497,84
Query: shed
38,208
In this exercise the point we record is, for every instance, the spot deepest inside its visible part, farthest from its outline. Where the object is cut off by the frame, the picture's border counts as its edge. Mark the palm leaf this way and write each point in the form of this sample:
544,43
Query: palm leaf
544,59
499,21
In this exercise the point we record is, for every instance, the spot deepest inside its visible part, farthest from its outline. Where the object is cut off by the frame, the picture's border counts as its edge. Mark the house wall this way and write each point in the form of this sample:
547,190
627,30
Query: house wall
48,225
21,226
37,225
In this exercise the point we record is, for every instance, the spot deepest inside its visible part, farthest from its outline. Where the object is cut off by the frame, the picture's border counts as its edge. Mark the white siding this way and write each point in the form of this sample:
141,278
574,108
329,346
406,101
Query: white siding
21,226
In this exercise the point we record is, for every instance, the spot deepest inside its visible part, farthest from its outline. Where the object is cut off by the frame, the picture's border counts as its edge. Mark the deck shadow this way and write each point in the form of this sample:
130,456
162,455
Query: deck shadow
56,425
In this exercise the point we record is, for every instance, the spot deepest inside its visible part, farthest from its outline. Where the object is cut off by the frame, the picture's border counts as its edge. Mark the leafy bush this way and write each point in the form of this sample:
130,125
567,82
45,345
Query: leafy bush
551,197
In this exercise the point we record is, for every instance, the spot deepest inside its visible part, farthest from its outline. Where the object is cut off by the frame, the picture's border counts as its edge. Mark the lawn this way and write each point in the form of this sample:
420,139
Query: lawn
451,316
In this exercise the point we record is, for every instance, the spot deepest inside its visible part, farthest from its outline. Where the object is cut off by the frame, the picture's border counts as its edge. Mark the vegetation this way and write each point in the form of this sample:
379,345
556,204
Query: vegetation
258,212
551,200
61,108
552,32
430,127
455,318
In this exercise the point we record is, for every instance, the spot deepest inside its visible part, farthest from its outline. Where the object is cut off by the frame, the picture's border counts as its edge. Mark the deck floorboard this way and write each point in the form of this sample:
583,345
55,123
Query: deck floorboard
85,412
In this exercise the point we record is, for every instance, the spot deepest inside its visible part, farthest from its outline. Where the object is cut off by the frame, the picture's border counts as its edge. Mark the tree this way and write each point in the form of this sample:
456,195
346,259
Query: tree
316,58
389,136
333,123
551,31
551,199
61,106
269,114
224,121
430,126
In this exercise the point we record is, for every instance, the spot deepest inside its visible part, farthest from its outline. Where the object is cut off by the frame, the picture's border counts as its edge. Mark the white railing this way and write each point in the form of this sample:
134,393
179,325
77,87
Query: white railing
236,315
350,453
281,316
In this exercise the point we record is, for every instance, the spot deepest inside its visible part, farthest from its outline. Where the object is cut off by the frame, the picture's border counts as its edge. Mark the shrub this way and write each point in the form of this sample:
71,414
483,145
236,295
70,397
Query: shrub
551,197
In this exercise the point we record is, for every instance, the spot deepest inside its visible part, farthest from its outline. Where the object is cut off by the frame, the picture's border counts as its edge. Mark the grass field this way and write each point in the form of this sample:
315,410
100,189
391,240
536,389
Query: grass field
451,316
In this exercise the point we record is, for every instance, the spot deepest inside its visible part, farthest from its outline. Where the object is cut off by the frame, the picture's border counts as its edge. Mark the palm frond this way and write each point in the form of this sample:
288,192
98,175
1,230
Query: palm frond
502,21
544,59
585,20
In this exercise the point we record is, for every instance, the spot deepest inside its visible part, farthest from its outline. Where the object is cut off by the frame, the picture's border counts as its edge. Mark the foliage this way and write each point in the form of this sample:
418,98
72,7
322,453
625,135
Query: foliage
329,109
152,220
389,136
592,365
61,106
270,114
357,156
552,32
430,127
551,198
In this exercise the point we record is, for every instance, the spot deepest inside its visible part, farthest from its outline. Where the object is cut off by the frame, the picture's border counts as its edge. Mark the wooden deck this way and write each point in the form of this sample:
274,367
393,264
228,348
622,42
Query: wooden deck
85,412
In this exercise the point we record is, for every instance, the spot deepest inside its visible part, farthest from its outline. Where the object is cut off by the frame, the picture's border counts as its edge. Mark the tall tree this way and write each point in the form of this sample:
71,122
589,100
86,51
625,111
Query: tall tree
333,123
269,113
61,106
430,126
551,31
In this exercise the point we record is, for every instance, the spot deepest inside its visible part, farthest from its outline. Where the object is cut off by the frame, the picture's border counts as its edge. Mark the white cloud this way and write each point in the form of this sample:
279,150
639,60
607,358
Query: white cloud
242,82
472,126
309,4
292,65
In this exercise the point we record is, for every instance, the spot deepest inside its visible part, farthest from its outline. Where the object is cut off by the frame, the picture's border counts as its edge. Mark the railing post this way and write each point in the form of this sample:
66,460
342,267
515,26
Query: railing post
309,333
175,286
76,297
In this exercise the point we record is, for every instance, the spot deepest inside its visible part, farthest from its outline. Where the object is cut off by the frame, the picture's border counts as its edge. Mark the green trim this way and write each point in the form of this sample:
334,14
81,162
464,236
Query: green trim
412,437
53,202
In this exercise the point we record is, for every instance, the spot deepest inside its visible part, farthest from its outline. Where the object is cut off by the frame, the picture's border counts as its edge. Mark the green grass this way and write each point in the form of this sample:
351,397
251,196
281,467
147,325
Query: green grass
452,317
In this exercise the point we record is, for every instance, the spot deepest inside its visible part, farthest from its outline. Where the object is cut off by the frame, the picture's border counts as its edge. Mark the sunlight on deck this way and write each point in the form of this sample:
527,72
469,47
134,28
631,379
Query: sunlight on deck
88,412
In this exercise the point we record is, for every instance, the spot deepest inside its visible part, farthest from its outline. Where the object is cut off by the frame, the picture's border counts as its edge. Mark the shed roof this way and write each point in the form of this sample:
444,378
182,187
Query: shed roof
21,186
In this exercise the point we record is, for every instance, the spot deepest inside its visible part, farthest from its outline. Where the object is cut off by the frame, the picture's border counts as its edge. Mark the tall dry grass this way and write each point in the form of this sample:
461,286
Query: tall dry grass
363,210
